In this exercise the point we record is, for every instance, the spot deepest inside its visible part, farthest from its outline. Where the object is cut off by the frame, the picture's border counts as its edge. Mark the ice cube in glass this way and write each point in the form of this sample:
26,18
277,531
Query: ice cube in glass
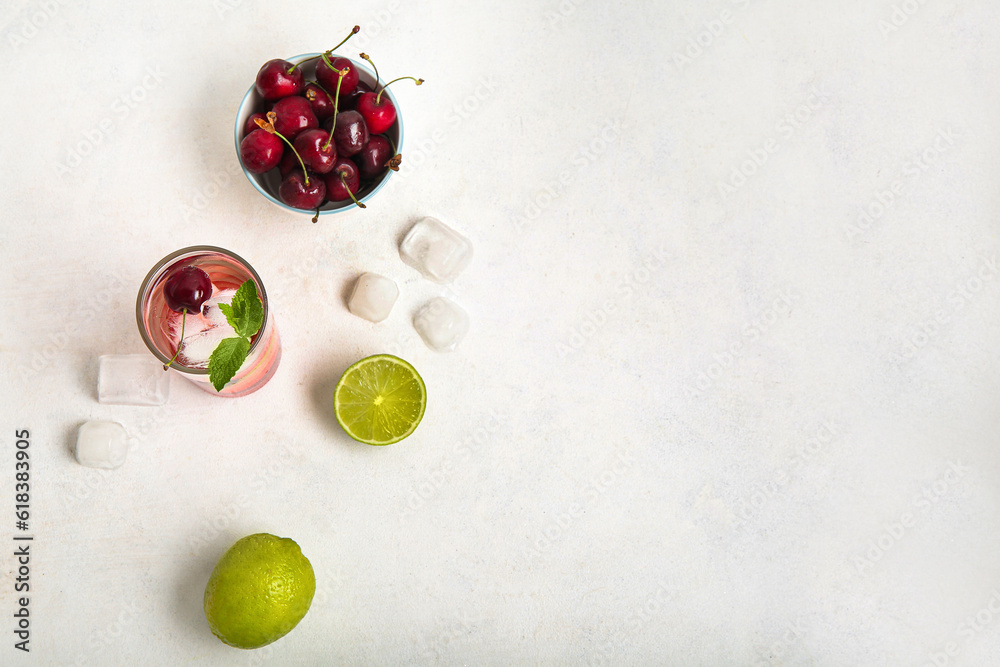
441,323
102,444
373,297
435,250
132,379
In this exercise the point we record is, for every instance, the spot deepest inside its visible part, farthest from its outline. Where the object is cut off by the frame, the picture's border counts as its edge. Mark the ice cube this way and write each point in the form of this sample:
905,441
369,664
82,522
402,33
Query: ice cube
441,323
102,444
373,297
132,379
435,250
202,331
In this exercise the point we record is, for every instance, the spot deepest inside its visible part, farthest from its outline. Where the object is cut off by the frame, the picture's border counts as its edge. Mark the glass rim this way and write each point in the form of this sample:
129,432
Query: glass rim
144,288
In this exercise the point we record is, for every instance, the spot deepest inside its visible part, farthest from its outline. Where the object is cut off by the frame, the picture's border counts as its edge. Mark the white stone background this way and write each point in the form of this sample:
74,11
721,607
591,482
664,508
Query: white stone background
691,424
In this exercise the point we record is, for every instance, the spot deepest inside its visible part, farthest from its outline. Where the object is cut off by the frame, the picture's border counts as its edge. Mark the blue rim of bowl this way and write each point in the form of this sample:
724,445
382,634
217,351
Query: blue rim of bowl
339,209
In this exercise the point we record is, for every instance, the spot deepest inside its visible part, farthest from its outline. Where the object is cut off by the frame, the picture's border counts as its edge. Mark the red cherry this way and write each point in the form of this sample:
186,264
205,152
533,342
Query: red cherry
320,100
296,193
186,289
379,115
294,115
288,162
374,157
277,79
328,77
351,103
343,182
251,123
261,151
316,150
349,131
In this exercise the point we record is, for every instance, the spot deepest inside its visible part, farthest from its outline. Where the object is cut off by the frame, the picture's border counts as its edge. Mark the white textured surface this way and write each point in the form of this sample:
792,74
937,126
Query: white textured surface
692,424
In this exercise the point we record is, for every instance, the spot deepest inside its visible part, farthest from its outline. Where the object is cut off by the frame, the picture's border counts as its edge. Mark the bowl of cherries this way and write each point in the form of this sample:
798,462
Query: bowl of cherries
319,133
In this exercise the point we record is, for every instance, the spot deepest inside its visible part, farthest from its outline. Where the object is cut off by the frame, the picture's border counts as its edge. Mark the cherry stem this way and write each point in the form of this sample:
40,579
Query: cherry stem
325,55
184,312
304,172
393,162
348,188
301,62
355,30
372,63
378,98
292,68
336,107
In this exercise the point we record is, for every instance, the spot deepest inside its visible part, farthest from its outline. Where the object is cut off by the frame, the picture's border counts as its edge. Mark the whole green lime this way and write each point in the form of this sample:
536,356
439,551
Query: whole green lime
259,590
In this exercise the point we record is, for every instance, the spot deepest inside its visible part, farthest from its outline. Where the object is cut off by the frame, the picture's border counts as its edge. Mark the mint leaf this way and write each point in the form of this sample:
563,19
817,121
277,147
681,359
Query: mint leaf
246,313
226,360
246,316
227,310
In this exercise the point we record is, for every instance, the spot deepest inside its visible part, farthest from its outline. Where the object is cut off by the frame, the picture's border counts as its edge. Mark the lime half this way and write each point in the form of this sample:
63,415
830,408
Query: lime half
380,400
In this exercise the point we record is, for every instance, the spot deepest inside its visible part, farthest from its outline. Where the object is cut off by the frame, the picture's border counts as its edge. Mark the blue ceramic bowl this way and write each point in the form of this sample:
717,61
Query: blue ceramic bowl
267,184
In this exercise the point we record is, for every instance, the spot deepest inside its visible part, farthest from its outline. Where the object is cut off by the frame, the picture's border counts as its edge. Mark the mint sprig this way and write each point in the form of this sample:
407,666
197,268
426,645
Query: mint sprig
246,316
246,312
